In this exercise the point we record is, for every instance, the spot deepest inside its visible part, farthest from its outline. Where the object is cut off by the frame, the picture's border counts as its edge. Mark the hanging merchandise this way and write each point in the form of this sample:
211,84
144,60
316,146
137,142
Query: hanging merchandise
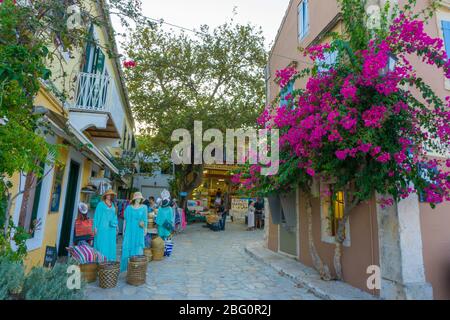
168,247
95,200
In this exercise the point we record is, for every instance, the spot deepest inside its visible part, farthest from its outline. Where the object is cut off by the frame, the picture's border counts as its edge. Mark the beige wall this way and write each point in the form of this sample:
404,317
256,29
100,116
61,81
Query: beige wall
363,249
435,223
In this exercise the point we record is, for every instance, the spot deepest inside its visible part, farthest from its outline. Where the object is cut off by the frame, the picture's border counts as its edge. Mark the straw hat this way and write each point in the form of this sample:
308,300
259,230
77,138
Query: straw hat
108,192
136,196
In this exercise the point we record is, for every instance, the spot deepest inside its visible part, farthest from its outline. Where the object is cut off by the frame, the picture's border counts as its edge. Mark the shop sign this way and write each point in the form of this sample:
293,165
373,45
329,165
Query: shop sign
50,257
239,205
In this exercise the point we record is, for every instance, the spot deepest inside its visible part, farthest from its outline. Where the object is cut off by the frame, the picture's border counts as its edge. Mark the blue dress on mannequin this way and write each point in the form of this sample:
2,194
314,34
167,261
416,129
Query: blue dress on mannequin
105,221
134,235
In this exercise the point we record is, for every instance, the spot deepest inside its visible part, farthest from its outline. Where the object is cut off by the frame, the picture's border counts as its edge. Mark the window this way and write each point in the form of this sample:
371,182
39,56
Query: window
328,61
303,19
30,201
446,34
332,211
95,58
288,89
337,213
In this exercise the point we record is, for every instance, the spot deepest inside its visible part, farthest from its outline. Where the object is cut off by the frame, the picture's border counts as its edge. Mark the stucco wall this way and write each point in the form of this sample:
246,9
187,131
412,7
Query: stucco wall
363,249
272,241
51,226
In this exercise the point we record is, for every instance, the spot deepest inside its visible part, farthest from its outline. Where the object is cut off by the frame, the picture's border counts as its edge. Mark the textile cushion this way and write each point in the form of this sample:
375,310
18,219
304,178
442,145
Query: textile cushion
85,254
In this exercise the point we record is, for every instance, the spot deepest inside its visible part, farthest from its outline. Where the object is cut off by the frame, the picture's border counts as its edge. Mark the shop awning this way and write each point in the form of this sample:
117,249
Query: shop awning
63,128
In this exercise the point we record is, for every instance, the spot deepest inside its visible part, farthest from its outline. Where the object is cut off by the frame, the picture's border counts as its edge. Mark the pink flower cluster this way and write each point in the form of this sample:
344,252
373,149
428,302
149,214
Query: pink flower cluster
129,64
374,117
285,75
335,119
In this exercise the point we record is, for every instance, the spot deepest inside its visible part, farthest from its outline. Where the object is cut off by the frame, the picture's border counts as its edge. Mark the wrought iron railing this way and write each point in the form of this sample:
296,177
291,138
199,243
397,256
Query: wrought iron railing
92,92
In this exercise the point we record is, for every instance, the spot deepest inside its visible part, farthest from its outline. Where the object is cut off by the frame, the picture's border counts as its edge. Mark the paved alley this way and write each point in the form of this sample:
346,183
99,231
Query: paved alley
208,265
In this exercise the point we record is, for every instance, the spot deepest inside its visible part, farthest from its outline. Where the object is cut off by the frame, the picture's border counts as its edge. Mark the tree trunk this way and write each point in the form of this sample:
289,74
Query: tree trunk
189,186
340,237
7,215
339,240
322,268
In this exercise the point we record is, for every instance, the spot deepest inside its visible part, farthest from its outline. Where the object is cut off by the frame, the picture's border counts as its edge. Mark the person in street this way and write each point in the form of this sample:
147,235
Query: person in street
164,218
105,226
150,203
251,216
222,213
134,226
259,211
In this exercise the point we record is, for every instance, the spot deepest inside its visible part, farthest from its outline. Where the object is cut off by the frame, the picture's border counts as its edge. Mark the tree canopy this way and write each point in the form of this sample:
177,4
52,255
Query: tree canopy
213,75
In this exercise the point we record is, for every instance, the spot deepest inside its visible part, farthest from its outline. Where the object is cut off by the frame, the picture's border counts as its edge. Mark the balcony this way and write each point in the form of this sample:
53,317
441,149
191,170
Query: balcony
96,106
92,92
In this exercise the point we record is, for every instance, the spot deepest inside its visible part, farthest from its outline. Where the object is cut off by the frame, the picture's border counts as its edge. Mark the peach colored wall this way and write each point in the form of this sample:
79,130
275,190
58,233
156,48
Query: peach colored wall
285,49
362,252
435,224
272,242
364,245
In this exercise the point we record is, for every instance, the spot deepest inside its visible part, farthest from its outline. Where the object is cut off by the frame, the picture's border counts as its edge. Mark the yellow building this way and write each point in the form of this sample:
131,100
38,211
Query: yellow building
92,126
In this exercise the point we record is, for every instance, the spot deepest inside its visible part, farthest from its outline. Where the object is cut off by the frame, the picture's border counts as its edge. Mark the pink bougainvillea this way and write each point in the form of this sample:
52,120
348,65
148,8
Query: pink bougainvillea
356,123
129,64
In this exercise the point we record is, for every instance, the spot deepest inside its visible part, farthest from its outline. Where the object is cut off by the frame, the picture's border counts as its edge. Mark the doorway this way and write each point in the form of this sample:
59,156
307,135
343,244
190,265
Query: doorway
69,208
288,233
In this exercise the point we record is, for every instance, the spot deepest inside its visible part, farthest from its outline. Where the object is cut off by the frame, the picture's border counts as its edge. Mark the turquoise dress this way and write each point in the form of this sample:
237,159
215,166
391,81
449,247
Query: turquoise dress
105,221
134,235
163,215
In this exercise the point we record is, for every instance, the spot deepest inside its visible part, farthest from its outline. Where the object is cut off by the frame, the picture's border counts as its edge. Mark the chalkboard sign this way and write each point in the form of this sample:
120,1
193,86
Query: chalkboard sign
50,257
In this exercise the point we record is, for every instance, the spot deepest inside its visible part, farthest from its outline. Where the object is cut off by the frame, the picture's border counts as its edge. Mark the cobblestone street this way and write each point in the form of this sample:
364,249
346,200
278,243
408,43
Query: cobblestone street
208,265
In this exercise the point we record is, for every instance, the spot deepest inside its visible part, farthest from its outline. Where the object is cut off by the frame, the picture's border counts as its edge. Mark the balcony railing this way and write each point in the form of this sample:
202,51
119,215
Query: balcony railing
92,92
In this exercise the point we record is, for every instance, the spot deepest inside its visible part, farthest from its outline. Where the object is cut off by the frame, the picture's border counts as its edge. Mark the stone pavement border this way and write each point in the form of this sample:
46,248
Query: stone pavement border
305,276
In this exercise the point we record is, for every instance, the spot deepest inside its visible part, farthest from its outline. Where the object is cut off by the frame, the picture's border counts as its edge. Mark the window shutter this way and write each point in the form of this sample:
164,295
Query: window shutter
100,65
89,49
446,32
289,88
305,17
300,21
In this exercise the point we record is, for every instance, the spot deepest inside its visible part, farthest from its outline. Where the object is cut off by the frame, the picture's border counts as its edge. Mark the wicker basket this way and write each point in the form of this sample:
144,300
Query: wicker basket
158,254
137,270
148,254
89,271
212,218
108,274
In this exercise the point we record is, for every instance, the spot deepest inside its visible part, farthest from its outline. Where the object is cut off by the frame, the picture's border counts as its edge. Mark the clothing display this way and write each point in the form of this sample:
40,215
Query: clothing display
251,217
165,214
134,234
105,223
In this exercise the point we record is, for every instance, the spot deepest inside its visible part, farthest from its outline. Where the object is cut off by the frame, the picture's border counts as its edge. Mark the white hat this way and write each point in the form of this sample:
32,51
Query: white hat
165,195
83,208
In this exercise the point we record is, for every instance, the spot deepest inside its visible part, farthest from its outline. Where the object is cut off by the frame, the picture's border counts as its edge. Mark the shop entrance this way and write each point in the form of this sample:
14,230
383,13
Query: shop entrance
288,233
69,208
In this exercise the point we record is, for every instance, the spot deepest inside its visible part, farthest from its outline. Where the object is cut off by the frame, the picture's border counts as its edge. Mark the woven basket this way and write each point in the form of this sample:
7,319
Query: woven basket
137,270
108,274
212,218
89,271
158,254
148,254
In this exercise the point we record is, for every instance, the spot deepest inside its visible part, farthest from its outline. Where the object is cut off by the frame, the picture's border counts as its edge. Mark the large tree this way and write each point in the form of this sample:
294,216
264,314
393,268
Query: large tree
214,76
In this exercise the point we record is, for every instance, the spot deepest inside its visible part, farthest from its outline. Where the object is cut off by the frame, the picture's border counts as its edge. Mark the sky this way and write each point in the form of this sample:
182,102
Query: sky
191,14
